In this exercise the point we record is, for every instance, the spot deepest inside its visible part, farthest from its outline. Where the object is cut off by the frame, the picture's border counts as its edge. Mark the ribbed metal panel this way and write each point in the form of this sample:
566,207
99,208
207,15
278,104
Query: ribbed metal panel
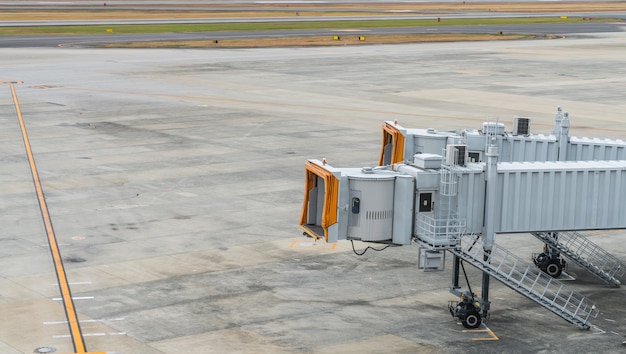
471,200
530,149
561,196
587,149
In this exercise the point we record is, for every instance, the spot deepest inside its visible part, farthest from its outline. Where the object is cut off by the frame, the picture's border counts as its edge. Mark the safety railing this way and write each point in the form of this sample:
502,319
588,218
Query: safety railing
586,254
527,280
439,232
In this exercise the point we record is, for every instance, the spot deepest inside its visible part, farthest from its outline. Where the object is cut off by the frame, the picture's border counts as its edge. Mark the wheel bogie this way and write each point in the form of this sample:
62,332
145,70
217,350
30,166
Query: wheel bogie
471,320
553,268
467,313
551,264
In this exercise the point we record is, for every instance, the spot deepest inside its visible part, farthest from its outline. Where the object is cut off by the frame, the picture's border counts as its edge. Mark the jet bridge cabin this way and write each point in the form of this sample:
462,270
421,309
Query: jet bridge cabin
421,200
367,204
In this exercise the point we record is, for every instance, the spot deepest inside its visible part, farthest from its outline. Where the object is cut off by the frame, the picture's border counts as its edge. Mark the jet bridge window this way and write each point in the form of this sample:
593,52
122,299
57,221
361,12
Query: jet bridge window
426,202
356,205
319,208
393,146
474,156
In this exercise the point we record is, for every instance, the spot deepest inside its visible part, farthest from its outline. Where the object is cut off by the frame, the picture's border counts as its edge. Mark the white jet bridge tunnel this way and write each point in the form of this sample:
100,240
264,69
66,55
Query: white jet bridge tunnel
454,191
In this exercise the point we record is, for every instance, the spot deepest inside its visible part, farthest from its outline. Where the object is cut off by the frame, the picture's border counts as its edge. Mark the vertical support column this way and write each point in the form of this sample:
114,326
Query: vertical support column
485,289
491,175
456,262
564,137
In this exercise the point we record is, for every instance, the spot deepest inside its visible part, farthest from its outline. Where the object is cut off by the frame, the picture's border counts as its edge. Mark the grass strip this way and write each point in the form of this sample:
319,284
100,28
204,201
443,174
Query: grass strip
268,26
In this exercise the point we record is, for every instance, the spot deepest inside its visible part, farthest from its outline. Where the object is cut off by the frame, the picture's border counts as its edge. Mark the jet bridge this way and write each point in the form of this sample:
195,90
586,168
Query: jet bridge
455,190
518,145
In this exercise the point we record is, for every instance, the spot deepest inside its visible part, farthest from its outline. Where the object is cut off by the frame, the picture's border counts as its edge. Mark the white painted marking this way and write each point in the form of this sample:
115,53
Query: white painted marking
599,330
75,298
91,335
117,334
83,321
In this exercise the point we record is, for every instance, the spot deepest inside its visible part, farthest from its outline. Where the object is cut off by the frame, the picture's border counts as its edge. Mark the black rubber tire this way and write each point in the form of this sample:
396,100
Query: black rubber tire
554,268
472,320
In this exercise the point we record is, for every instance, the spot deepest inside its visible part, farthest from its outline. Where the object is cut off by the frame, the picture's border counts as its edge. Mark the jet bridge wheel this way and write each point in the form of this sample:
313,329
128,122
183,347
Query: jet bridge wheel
472,319
553,268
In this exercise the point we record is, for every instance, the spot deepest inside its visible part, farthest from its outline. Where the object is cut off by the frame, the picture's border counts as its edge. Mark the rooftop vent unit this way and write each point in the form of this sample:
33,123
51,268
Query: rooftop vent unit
521,126
456,155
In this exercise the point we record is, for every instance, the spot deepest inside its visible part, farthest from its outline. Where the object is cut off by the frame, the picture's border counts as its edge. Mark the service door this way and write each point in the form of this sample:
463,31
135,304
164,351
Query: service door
426,201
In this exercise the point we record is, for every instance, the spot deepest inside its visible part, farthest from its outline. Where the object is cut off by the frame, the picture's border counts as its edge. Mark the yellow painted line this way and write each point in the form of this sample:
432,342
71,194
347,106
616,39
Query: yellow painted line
492,336
70,311
312,245
605,232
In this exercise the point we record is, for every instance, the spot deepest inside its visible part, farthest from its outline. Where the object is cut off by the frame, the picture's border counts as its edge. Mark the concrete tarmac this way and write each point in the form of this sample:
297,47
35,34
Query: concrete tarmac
174,180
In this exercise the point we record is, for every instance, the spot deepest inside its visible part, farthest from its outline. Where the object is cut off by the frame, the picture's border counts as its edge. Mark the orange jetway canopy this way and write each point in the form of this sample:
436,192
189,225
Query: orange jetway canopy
392,149
317,226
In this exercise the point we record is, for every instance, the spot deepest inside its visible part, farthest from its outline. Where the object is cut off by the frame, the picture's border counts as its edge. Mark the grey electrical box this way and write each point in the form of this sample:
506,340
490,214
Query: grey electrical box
427,161
431,260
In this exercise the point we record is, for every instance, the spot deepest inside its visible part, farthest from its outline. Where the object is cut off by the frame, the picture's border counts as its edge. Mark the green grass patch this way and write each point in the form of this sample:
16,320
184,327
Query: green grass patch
268,26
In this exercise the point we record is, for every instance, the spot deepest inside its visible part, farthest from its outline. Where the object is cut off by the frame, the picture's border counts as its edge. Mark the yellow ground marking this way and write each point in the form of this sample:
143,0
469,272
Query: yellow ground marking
492,336
66,294
605,232
312,245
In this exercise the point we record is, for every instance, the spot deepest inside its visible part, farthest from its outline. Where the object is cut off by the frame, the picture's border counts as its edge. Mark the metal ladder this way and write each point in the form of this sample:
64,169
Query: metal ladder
528,281
443,228
586,254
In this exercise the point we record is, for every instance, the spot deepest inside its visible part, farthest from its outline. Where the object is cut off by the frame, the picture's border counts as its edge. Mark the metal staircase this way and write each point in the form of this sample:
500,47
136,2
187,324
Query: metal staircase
586,254
528,281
